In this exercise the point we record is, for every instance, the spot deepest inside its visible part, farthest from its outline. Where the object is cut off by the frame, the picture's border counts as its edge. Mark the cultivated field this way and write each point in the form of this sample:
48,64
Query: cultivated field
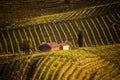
93,33
99,25
92,63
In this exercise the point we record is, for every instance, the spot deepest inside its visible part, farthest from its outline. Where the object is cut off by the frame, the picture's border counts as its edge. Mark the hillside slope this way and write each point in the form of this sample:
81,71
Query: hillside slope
92,26
16,10
78,64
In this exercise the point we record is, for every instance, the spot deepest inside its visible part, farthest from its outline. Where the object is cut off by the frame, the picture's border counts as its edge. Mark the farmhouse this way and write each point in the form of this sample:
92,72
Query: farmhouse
49,47
64,46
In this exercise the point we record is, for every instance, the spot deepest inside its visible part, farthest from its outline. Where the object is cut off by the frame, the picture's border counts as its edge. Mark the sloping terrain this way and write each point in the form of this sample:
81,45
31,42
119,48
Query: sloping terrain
93,33
15,10
92,26
78,64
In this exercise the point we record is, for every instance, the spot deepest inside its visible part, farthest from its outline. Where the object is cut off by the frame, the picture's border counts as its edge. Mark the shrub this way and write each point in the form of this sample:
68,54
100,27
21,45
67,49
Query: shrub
26,45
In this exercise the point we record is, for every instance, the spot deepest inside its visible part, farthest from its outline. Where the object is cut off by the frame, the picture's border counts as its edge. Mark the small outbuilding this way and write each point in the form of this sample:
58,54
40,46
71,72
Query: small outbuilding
64,46
49,47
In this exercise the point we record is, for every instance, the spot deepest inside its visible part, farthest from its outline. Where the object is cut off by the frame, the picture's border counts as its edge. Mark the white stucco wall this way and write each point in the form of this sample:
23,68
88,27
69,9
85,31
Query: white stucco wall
66,47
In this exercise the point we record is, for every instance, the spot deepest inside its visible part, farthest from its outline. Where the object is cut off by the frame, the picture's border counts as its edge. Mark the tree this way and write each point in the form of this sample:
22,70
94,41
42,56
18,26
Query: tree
26,45
67,1
80,39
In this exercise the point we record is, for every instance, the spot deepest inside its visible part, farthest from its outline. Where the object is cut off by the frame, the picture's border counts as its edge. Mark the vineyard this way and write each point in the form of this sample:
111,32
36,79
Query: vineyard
78,64
99,25
91,28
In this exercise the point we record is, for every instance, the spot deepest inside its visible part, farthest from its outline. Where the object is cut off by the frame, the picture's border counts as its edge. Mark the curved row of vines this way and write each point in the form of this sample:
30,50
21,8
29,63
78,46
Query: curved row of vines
78,64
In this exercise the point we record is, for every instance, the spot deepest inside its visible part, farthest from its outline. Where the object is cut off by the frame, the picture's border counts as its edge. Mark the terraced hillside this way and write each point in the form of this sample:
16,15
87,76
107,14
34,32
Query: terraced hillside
93,26
77,64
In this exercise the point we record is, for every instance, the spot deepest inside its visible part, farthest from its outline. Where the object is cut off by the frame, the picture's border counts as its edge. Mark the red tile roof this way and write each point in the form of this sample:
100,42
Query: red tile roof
53,44
63,44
